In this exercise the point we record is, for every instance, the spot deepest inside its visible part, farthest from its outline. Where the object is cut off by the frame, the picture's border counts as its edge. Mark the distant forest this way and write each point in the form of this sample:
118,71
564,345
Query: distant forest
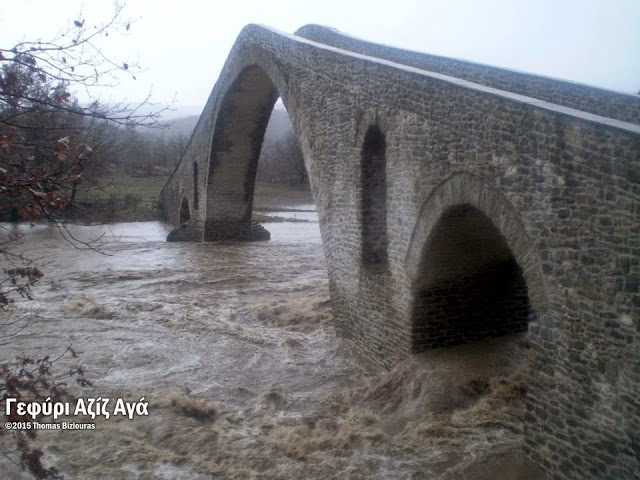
129,167
125,168
146,152
281,159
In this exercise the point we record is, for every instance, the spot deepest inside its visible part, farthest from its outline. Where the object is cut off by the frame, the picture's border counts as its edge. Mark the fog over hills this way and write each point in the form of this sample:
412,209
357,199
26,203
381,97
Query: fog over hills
280,161
181,124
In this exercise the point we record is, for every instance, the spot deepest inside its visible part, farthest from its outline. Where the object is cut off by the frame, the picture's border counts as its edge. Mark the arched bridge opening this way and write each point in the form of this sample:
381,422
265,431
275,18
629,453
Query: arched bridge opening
469,285
237,140
236,148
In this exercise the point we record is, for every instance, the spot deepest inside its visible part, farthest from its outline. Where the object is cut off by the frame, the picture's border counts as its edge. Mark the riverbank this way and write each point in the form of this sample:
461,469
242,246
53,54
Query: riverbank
123,197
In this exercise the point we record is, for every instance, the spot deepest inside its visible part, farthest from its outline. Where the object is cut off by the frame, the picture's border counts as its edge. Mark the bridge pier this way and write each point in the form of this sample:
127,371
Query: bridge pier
238,231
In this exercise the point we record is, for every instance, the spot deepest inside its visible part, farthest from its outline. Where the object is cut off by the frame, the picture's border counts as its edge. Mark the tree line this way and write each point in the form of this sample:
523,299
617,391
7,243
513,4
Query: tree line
281,160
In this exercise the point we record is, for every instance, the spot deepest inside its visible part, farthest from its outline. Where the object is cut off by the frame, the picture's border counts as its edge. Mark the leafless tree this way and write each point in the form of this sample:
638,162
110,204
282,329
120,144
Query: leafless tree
47,142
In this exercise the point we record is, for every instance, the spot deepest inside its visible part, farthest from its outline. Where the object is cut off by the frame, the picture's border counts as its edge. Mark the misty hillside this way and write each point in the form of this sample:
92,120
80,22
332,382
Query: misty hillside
182,126
281,159
278,127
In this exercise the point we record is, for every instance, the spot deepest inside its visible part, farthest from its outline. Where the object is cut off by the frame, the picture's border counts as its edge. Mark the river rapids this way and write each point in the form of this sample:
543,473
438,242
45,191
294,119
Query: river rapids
234,348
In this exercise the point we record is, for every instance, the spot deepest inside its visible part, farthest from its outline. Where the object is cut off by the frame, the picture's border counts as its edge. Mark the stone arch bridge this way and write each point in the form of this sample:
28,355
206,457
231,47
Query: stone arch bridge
456,202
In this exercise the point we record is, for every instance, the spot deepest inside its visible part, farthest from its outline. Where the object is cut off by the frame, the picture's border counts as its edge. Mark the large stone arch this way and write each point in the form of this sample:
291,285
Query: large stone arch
465,199
235,148
244,98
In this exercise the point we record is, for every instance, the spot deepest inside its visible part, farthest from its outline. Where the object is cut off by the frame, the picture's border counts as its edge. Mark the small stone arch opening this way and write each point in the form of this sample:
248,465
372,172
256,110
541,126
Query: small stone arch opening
195,186
373,178
185,214
469,285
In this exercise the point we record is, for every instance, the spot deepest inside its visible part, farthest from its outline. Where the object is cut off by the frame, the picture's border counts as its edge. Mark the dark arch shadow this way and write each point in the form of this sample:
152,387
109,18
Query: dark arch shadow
185,213
469,286
472,267
235,150
373,205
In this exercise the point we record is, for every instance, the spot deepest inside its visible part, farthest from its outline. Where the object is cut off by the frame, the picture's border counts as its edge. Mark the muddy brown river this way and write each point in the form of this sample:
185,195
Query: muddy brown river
234,347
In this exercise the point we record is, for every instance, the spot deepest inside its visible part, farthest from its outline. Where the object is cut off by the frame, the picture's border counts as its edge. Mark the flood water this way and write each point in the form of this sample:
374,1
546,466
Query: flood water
234,347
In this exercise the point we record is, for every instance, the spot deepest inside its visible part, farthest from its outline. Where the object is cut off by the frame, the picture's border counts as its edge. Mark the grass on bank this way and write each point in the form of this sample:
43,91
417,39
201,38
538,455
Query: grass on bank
274,196
120,197
124,197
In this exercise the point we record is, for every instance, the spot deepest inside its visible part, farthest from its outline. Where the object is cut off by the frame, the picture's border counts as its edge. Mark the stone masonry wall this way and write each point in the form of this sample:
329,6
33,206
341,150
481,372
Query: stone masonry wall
561,186
600,101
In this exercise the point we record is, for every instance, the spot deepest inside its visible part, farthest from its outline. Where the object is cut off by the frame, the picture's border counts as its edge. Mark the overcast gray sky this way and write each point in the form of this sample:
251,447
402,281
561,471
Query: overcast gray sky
182,44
